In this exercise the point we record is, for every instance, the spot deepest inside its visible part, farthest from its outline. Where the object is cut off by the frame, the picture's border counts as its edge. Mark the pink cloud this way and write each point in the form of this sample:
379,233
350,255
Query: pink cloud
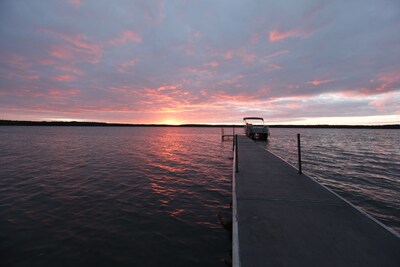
293,105
168,87
242,53
62,93
380,103
80,41
386,101
245,55
127,65
228,55
318,82
21,68
70,69
272,67
30,77
234,69
387,80
263,91
16,61
167,99
199,71
64,78
53,93
46,62
196,35
190,46
125,37
291,98
276,35
233,80
275,54
60,52
223,96
76,48
212,64
75,3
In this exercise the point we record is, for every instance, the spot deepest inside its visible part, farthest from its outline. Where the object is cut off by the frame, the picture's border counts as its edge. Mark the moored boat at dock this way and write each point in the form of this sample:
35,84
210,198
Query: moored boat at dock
254,128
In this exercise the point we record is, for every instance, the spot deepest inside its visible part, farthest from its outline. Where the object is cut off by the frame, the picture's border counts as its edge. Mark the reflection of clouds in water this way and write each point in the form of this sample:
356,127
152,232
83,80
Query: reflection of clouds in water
119,189
181,168
176,212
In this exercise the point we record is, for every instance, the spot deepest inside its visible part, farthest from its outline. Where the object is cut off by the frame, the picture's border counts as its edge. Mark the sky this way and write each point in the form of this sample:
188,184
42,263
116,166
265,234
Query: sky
201,61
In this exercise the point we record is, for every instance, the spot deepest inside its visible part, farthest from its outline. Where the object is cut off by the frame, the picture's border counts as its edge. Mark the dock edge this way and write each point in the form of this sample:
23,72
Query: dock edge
369,216
235,228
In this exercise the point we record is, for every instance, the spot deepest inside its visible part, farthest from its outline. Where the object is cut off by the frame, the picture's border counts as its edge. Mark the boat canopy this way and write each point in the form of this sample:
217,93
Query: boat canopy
253,118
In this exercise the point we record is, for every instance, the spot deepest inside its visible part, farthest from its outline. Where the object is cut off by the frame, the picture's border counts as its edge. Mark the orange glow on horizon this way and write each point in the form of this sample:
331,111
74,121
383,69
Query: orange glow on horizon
171,121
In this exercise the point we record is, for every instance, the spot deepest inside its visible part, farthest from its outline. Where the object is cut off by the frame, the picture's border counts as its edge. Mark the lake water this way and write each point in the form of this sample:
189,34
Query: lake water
88,196
105,196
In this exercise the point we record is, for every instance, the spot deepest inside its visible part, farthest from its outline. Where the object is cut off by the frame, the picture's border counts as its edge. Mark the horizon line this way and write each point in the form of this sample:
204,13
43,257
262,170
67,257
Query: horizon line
94,123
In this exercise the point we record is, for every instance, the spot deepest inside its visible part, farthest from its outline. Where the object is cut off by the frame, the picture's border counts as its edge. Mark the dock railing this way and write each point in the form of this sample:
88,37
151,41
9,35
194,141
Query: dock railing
299,153
235,146
235,149
225,135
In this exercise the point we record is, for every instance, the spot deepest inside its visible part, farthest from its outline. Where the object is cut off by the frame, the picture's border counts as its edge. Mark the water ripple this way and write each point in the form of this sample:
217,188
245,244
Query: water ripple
83,196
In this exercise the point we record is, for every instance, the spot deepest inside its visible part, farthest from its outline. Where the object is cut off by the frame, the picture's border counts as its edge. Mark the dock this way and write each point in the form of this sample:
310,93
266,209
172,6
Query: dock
283,218
227,133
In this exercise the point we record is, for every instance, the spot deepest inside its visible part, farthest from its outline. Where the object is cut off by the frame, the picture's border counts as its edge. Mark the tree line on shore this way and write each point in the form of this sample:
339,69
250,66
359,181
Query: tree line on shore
104,124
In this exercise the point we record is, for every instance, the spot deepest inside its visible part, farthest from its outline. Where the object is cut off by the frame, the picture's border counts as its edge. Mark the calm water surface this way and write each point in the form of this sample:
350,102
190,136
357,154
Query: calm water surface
88,196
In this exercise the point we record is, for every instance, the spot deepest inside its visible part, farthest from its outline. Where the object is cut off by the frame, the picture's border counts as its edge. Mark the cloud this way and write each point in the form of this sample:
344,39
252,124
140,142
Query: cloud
75,48
190,46
127,65
228,54
75,3
201,61
387,102
125,37
276,35
318,82
212,64
62,93
69,69
389,81
18,68
64,78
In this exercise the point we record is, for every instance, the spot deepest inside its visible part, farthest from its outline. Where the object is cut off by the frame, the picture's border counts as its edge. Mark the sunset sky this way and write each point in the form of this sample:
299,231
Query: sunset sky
193,61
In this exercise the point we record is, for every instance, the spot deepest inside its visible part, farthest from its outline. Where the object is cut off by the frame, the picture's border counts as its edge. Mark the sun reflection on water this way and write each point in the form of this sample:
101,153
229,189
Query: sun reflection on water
171,162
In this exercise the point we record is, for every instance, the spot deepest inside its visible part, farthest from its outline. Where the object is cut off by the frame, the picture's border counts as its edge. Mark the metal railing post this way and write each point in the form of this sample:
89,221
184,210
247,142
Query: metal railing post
299,152
233,143
236,154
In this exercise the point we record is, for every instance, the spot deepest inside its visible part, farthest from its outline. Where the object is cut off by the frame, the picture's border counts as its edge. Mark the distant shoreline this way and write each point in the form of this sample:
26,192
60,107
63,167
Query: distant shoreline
104,124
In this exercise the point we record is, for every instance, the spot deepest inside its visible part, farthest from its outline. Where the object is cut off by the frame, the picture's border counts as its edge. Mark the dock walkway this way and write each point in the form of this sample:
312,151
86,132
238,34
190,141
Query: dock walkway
282,218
